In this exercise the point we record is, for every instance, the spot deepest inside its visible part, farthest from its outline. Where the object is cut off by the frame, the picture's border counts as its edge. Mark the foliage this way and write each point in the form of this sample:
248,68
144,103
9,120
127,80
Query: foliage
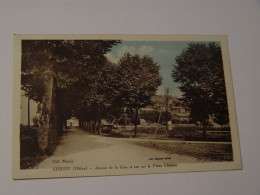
220,106
137,81
96,100
150,116
72,64
199,70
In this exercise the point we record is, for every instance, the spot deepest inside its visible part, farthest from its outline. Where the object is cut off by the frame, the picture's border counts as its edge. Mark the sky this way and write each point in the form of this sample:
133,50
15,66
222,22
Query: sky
162,52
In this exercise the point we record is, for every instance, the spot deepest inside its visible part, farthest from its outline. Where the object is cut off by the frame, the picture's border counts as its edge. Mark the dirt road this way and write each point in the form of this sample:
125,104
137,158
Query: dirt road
81,148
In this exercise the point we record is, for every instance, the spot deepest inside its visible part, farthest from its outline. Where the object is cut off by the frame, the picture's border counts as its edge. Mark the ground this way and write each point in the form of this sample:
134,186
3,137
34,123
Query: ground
84,149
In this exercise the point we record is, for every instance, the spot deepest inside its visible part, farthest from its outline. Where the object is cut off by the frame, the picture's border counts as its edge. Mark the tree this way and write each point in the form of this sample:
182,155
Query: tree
56,74
220,108
199,70
95,102
137,81
66,60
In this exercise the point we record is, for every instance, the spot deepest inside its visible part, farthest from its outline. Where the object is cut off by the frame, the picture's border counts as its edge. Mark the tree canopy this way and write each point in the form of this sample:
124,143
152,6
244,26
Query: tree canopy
74,65
89,86
138,79
199,70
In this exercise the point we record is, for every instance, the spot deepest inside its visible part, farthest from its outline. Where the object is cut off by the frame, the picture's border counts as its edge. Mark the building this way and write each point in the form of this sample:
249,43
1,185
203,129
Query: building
73,122
34,110
176,107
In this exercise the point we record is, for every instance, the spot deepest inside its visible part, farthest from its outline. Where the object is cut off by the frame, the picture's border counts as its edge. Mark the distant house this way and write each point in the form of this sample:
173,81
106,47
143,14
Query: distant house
178,110
73,122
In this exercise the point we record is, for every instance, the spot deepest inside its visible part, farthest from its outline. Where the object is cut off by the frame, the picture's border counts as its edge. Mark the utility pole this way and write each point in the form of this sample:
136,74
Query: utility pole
158,121
166,114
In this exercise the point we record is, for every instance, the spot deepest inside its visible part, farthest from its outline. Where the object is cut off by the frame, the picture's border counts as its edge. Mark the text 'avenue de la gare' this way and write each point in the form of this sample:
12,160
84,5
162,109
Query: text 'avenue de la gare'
84,168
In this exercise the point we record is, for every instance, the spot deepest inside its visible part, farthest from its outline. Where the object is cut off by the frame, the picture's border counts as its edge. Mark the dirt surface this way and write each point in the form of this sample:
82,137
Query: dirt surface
82,148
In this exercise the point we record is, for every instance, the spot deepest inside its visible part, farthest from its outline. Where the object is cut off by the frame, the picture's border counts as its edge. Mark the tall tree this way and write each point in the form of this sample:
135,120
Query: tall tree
199,70
138,80
96,100
66,60
64,64
220,107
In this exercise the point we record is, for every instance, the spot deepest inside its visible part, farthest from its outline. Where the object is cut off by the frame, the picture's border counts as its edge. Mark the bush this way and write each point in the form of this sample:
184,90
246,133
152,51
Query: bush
182,132
150,116
30,155
28,141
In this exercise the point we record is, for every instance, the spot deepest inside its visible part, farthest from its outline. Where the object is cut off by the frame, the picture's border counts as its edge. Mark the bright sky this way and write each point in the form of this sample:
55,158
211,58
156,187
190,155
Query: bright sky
163,52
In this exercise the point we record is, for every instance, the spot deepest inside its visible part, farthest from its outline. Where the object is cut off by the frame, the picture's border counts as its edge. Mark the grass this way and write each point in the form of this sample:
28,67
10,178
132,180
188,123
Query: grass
195,134
182,133
206,152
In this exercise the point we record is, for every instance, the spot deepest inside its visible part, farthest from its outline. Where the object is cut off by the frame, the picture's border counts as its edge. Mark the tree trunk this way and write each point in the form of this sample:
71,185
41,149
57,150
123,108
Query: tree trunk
136,121
28,114
95,126
88,125
91,126
64,125
54,114
125,119
99,125
158,122
44,128
204,131
166,114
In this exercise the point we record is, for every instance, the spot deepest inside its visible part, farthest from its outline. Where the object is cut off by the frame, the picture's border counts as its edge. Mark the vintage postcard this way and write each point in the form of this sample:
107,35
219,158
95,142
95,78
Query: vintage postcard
96,105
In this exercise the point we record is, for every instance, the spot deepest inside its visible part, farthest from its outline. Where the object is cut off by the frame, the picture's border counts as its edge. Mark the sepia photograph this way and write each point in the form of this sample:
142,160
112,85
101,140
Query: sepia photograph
96,105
